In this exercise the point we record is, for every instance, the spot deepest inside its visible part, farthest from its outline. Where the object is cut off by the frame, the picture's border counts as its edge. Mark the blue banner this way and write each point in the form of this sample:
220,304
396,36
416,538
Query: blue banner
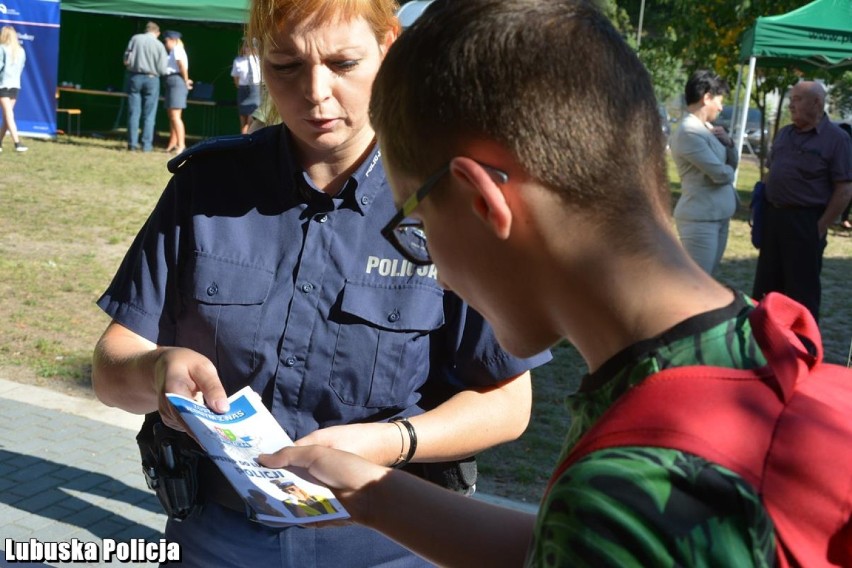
37,25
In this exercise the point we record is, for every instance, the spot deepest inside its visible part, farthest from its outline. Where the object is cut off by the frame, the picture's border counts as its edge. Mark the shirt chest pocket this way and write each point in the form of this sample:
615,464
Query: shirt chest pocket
382,351
812,166
222,316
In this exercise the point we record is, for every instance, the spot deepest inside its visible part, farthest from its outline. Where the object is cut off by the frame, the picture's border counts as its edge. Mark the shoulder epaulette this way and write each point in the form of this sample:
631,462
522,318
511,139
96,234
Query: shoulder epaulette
211,145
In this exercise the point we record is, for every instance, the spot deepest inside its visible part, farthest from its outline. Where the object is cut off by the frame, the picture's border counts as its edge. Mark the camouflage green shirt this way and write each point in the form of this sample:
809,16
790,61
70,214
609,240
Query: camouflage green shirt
644,506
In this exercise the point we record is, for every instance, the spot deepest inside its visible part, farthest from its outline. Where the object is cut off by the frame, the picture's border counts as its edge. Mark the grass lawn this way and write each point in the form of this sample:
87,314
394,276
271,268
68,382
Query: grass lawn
70,208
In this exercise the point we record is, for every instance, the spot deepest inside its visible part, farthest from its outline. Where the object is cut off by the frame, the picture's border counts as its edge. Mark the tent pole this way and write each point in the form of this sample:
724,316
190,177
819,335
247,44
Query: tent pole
738,143
736,112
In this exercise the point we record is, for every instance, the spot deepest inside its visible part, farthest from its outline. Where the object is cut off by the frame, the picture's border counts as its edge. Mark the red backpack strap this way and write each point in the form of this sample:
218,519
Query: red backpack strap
685,409
785,428
690,408
807,481
781,327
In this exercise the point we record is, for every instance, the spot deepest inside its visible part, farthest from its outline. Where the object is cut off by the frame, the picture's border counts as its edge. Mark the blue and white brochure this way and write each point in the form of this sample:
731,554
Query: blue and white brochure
233,440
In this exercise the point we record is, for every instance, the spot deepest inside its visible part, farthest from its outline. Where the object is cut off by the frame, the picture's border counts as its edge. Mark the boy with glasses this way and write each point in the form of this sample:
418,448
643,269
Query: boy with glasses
521,139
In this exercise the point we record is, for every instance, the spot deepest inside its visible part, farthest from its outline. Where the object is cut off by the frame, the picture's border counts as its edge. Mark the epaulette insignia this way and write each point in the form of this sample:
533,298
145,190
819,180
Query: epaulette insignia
209,145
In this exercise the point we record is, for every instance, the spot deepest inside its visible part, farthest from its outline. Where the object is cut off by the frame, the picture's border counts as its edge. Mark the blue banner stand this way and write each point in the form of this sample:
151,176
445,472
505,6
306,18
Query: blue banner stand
37,25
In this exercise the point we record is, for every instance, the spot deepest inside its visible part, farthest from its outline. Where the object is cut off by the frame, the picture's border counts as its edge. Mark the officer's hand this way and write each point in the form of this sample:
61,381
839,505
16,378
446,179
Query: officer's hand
347,475
186,372
381,442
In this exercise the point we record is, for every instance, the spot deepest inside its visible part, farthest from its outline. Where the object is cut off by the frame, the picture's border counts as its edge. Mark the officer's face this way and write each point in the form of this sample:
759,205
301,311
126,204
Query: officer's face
319,78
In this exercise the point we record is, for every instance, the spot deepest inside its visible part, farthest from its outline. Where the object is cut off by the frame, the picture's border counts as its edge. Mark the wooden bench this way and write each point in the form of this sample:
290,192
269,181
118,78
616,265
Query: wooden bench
71,113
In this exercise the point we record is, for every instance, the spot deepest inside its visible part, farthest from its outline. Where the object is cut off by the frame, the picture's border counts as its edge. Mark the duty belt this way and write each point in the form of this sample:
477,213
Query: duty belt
185,478
459,476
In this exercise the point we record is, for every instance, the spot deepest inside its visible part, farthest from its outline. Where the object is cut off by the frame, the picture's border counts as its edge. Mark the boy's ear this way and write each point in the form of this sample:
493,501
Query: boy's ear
489,199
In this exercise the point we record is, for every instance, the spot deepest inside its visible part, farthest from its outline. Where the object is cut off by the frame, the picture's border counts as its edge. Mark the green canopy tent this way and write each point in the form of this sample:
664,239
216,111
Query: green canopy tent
94,35
223,11
817,35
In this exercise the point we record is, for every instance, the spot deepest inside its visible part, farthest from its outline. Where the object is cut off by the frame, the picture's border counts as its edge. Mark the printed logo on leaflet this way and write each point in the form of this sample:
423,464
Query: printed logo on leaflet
232,439
398,267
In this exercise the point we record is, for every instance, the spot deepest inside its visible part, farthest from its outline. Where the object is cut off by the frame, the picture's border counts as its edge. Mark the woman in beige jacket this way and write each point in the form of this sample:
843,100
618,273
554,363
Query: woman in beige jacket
706,161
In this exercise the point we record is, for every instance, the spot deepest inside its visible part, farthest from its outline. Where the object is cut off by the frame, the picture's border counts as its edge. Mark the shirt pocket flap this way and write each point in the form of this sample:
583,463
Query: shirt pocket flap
397,308
225,282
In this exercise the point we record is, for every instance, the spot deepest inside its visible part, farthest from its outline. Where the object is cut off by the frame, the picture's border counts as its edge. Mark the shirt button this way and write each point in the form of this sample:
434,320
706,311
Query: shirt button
307,288
393,316
212,290
364,200
323,218
290,361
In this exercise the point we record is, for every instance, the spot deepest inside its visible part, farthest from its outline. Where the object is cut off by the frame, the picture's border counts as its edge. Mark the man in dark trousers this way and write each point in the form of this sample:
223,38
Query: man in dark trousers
808,186
146,60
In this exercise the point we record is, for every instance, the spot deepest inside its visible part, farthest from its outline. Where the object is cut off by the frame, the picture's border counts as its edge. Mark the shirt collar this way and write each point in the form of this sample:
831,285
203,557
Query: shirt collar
360,190
818,127
821,124
690,327
367,180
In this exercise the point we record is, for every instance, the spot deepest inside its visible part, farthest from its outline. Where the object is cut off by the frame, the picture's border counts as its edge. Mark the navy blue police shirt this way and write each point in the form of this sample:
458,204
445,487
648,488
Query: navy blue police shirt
296,293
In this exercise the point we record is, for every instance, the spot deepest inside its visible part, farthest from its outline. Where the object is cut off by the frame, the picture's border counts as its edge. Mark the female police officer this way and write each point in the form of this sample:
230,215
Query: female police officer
263,265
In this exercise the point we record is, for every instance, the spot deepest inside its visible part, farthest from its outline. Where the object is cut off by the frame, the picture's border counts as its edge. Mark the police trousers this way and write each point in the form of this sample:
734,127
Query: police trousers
220,537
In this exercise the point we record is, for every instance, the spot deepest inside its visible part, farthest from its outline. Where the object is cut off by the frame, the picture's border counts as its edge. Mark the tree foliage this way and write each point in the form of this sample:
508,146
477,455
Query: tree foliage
841,95
655,50
707,35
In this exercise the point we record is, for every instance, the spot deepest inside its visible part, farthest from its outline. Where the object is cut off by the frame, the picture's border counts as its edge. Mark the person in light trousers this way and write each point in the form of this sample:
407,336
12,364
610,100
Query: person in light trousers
706,161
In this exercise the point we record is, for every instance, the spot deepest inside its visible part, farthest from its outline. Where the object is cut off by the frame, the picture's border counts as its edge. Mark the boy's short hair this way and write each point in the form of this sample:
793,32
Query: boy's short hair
550,80
703,82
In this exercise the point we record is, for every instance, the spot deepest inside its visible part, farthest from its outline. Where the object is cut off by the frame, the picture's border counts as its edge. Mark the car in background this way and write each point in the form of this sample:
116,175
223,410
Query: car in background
753,137
664,118
410,11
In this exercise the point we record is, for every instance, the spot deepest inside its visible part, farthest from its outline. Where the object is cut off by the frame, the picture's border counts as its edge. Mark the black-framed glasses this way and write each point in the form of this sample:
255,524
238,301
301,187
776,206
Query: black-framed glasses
407,235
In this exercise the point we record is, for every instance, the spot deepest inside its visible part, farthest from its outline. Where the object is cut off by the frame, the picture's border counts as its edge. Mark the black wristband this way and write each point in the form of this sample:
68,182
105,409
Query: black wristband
412,439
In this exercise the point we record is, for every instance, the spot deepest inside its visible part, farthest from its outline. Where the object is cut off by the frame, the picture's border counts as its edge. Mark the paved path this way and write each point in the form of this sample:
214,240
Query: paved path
69,469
